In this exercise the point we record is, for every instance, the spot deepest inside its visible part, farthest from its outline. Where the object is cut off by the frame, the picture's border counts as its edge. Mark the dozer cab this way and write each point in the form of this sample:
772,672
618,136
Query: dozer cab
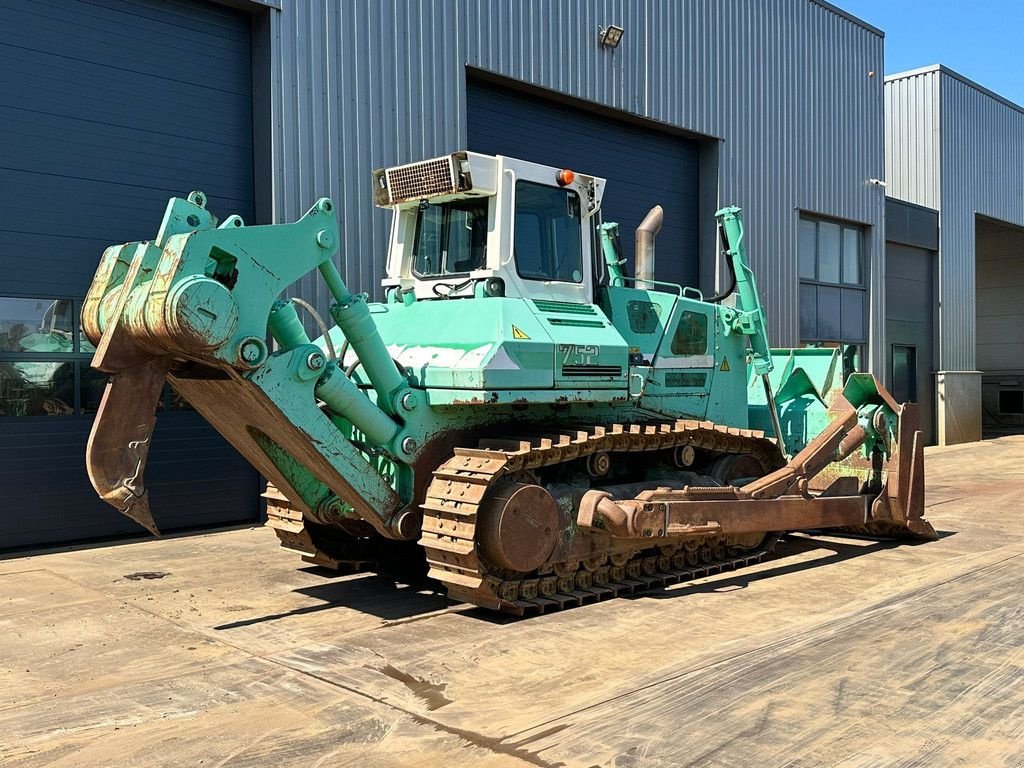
547,427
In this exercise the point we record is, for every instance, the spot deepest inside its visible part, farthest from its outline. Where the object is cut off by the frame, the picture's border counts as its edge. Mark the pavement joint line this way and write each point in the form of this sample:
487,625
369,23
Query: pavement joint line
471,737
827,627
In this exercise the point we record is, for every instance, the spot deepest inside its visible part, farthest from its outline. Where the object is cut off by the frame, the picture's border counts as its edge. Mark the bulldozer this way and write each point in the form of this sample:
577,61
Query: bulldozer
545,428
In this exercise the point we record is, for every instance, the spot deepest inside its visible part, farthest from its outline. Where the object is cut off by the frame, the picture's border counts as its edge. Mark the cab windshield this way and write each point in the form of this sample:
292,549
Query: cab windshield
451,238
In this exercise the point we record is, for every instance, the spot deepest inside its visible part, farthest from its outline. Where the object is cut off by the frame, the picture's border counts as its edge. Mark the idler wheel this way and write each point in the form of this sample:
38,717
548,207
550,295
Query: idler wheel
519,526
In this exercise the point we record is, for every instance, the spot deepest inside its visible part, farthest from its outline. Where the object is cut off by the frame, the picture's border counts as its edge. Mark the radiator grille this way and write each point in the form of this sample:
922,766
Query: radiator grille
418,180
591,370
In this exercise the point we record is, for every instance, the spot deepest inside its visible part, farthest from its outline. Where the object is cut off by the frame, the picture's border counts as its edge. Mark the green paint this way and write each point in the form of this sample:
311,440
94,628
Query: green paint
422,369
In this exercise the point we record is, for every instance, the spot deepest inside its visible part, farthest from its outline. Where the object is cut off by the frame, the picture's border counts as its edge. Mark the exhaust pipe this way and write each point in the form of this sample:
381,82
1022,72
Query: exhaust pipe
645,234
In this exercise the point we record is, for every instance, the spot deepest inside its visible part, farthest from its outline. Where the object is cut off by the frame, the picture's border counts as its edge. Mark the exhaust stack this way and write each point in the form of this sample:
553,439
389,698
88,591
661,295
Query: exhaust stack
645,235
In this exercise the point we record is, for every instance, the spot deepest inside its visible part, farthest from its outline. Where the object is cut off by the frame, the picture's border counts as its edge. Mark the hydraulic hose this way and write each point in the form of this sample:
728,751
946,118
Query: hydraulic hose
331,354
732,271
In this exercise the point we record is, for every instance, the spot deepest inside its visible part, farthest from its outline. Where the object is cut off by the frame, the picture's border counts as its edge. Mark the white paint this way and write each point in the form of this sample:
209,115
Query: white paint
685,361
442,357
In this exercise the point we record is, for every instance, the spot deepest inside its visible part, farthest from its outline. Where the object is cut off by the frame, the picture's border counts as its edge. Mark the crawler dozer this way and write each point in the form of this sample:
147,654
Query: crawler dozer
548,428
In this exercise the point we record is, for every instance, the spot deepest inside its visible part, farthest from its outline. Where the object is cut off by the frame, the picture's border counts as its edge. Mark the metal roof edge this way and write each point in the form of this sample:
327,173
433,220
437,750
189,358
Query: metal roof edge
913,72
909,204
848,16
944,70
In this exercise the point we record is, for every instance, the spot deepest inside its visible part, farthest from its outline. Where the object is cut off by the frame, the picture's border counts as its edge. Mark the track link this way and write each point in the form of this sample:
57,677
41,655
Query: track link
348,554
459,485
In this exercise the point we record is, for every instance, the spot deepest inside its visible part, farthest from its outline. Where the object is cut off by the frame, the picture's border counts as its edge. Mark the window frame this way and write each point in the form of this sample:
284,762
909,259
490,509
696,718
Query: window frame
860,342
515,257
79,359
414,254
708,334
911,368
860,229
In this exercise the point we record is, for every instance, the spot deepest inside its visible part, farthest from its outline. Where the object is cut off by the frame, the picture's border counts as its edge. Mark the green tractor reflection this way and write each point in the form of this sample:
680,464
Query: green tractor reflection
43,387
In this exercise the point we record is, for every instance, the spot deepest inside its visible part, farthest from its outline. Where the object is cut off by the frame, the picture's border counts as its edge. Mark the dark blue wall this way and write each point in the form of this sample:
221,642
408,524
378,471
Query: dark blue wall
108,108
644,167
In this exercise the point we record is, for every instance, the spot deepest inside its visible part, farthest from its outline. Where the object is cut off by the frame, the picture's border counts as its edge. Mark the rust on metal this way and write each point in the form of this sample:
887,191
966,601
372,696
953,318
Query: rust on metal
119,442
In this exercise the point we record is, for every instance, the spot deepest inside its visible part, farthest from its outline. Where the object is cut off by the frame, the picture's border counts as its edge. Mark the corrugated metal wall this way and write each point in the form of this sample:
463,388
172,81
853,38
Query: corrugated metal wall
912,168
977,140
784,84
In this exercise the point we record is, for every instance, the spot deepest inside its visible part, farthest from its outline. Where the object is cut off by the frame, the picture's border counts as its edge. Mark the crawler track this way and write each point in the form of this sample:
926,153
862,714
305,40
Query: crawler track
459,486
326,546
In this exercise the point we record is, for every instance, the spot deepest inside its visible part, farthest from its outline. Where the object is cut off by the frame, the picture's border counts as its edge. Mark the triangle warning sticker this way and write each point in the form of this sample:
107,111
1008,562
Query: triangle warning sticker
517,334
725,364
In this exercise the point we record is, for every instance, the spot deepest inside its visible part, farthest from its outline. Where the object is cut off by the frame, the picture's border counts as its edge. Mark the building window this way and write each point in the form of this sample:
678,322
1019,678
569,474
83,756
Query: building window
45,360
833,293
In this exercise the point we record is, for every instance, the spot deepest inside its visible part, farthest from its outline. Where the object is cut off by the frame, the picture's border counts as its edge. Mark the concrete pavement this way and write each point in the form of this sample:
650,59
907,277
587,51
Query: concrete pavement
223,650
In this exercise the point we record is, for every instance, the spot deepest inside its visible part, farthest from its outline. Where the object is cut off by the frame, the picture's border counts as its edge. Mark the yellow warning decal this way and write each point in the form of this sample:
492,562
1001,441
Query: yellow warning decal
517,334
725,364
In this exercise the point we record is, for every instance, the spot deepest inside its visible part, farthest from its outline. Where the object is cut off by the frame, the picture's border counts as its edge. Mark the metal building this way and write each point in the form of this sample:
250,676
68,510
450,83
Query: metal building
956,147
775,106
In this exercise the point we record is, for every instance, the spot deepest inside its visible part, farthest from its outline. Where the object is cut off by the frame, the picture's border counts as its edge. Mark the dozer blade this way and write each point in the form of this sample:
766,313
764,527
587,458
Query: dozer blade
828,484
119,441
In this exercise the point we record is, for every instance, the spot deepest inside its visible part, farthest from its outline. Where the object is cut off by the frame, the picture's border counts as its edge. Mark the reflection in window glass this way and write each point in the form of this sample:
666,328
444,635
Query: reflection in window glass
451,238
36,325
904,373
548,244
808,248
691,336
851,256
93,383
828,252
37,388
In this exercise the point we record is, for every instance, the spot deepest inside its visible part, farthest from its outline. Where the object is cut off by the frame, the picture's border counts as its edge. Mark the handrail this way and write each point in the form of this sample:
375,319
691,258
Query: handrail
677,286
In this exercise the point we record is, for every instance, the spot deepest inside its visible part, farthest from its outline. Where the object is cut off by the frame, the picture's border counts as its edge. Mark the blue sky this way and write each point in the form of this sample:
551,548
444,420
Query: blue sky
982,40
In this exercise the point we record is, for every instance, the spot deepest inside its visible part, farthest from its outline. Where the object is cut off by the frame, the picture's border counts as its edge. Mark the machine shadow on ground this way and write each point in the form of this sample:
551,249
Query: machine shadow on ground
851,546
394,595
377,594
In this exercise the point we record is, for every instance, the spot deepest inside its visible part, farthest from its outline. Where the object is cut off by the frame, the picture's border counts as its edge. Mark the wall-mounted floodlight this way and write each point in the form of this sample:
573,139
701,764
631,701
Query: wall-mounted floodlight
610,37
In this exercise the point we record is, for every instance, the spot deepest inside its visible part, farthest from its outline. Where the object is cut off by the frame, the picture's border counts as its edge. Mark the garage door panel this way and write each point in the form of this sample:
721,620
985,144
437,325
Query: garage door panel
105,74
104,209
139,165
169,116
910,306
107,108
644,167
103,32
1001,330
907,299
